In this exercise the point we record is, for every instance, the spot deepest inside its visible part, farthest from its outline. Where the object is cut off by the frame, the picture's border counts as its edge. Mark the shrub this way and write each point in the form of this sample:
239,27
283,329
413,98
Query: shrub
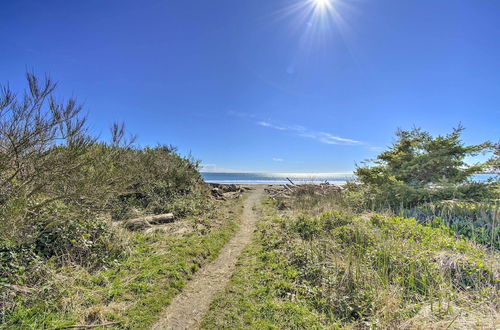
419,168
159,181
60,186
355,265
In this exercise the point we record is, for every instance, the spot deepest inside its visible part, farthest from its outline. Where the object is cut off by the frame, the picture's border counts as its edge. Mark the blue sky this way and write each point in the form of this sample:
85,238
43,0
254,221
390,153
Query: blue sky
266,85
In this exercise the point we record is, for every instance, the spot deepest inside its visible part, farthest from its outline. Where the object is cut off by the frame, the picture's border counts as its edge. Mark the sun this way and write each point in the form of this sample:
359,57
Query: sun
322,4
314,19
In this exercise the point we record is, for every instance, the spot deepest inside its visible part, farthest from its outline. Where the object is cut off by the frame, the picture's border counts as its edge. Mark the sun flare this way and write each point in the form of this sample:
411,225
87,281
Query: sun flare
322,4
321,8
315,21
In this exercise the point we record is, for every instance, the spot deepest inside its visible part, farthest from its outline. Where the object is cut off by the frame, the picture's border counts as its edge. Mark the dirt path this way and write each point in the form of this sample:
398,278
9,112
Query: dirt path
189,307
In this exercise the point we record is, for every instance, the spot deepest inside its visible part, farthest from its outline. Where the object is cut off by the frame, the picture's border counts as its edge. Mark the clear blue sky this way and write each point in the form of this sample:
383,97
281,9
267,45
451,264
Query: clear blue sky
266,85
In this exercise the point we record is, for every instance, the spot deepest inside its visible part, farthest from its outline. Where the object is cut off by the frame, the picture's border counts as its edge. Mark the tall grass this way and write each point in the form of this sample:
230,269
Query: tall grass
474,220
477,221
343,270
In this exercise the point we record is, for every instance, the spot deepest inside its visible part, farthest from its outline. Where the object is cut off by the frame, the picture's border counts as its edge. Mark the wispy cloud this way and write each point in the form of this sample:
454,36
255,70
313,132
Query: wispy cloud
319,136
267,124
275,159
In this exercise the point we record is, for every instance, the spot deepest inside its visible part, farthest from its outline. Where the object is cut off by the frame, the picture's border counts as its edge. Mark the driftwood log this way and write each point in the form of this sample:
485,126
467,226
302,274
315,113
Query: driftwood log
146,222
160,218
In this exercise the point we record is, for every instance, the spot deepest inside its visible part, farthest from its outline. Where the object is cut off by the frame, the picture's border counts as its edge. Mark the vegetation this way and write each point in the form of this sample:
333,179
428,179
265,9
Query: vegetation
315,269
419,168
398,249
477,221
132,291
427,178
324,259
60,190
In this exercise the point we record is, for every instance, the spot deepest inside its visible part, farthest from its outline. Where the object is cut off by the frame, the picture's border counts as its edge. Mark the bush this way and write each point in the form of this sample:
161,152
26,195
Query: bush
86,242
358,265
159,181
476,221
419,168
60,186
16,262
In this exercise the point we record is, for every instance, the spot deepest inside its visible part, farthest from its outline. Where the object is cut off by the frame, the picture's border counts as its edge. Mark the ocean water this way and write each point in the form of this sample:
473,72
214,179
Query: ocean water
298,178
276,178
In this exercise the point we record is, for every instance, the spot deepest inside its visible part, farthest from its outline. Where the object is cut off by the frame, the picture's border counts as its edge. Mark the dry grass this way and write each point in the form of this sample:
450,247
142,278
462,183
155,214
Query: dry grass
134,290
340,269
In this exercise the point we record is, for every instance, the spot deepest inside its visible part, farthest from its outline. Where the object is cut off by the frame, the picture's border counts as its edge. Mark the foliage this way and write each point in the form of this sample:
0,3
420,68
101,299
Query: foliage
157,180
133,290
419,168
494,162
340,270
60,186
476,221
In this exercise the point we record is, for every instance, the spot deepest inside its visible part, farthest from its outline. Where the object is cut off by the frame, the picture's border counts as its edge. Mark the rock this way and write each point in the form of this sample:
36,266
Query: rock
137,224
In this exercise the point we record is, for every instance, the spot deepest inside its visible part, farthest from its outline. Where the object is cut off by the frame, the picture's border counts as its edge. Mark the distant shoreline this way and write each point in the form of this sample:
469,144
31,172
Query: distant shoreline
280,178
246,178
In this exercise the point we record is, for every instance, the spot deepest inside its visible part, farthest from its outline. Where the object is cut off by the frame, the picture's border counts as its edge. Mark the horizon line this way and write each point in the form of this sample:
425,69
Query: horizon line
284,172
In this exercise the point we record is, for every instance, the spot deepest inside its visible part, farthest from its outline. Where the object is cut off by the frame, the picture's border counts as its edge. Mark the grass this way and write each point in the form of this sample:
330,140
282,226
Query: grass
342,270
134,290
257,296
474,220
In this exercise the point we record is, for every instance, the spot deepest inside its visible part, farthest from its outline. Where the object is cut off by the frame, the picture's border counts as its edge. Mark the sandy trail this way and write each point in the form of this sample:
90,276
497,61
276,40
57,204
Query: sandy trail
190,306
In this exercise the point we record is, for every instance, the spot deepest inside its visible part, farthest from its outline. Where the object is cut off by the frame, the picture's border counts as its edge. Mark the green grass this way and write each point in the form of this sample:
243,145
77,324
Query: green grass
474,220
338,270
257,298
133,291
